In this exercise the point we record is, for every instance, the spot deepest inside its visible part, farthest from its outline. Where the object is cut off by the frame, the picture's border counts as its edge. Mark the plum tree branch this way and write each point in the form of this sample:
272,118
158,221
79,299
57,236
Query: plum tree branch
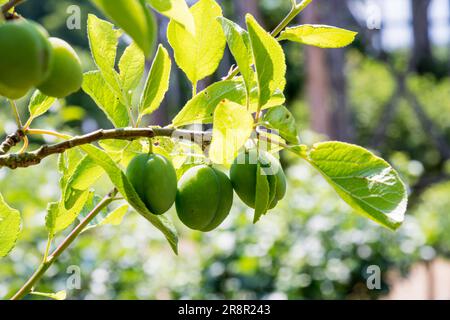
11,141
26,159
10,4
295,11
37,275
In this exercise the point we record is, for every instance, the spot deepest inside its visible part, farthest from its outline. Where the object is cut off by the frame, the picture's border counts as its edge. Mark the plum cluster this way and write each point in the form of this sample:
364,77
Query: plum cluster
204,194
30,59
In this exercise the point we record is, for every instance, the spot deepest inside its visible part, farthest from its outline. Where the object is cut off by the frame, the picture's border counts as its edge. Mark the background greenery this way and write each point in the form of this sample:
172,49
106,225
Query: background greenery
312,246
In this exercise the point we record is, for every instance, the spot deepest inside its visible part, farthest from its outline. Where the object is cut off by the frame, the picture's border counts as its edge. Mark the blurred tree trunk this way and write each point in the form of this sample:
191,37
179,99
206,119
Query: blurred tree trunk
247,6
326,79
431,280
422,57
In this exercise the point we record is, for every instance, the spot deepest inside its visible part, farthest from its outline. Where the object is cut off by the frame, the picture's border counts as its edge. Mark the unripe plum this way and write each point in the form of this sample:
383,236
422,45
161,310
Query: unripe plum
66,73
155,180
204,198
243,175
25,56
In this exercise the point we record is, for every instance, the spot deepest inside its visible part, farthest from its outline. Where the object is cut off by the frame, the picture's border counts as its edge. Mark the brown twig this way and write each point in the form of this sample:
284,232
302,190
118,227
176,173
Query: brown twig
27,159
11,141
27,287
9,5
429,126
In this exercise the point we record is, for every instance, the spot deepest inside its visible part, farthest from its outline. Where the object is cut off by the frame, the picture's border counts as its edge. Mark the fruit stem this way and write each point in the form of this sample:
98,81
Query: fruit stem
45,265
194,89
16,113
150,146
25,144
48,133
295,10
10,4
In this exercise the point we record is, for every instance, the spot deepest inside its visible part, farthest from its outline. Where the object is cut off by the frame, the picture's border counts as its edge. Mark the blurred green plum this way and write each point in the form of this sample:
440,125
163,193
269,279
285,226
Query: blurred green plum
66,73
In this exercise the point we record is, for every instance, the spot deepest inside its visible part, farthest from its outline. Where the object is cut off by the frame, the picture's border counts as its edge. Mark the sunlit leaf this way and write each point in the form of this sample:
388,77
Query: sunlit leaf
103,41
86,173
96,87
113,218
157,82
134,18
239,43
9,227
319,36
58,218
199,55
176,10
131,66
200,109
269,61
39,104
121,151
60,295
282,120
233,126
366,182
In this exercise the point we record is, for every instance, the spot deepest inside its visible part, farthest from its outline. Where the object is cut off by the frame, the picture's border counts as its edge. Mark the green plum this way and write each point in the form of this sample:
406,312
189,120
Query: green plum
25,56
204,198
66,73
243,174
155,180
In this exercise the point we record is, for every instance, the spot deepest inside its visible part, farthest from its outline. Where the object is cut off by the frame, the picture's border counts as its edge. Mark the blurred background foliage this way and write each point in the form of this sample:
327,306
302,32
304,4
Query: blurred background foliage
392,97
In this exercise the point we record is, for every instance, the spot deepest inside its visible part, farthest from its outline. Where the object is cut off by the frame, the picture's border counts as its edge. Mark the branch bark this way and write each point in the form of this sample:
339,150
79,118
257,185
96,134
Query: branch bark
28,286
23,160
11,141
428,126
10,4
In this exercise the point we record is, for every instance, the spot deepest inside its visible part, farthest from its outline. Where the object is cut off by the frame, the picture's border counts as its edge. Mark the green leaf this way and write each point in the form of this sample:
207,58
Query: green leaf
96,87
366,182
262,194
67,163
123,185
200,109
122,151
275,100
103,41
199,55
131,66
269,61
157,82
282,120
301,150
113,218
60,295
39,104
134,18
319,36
233,126
270,142
58,218
9,227
239,43
176,10
86,173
